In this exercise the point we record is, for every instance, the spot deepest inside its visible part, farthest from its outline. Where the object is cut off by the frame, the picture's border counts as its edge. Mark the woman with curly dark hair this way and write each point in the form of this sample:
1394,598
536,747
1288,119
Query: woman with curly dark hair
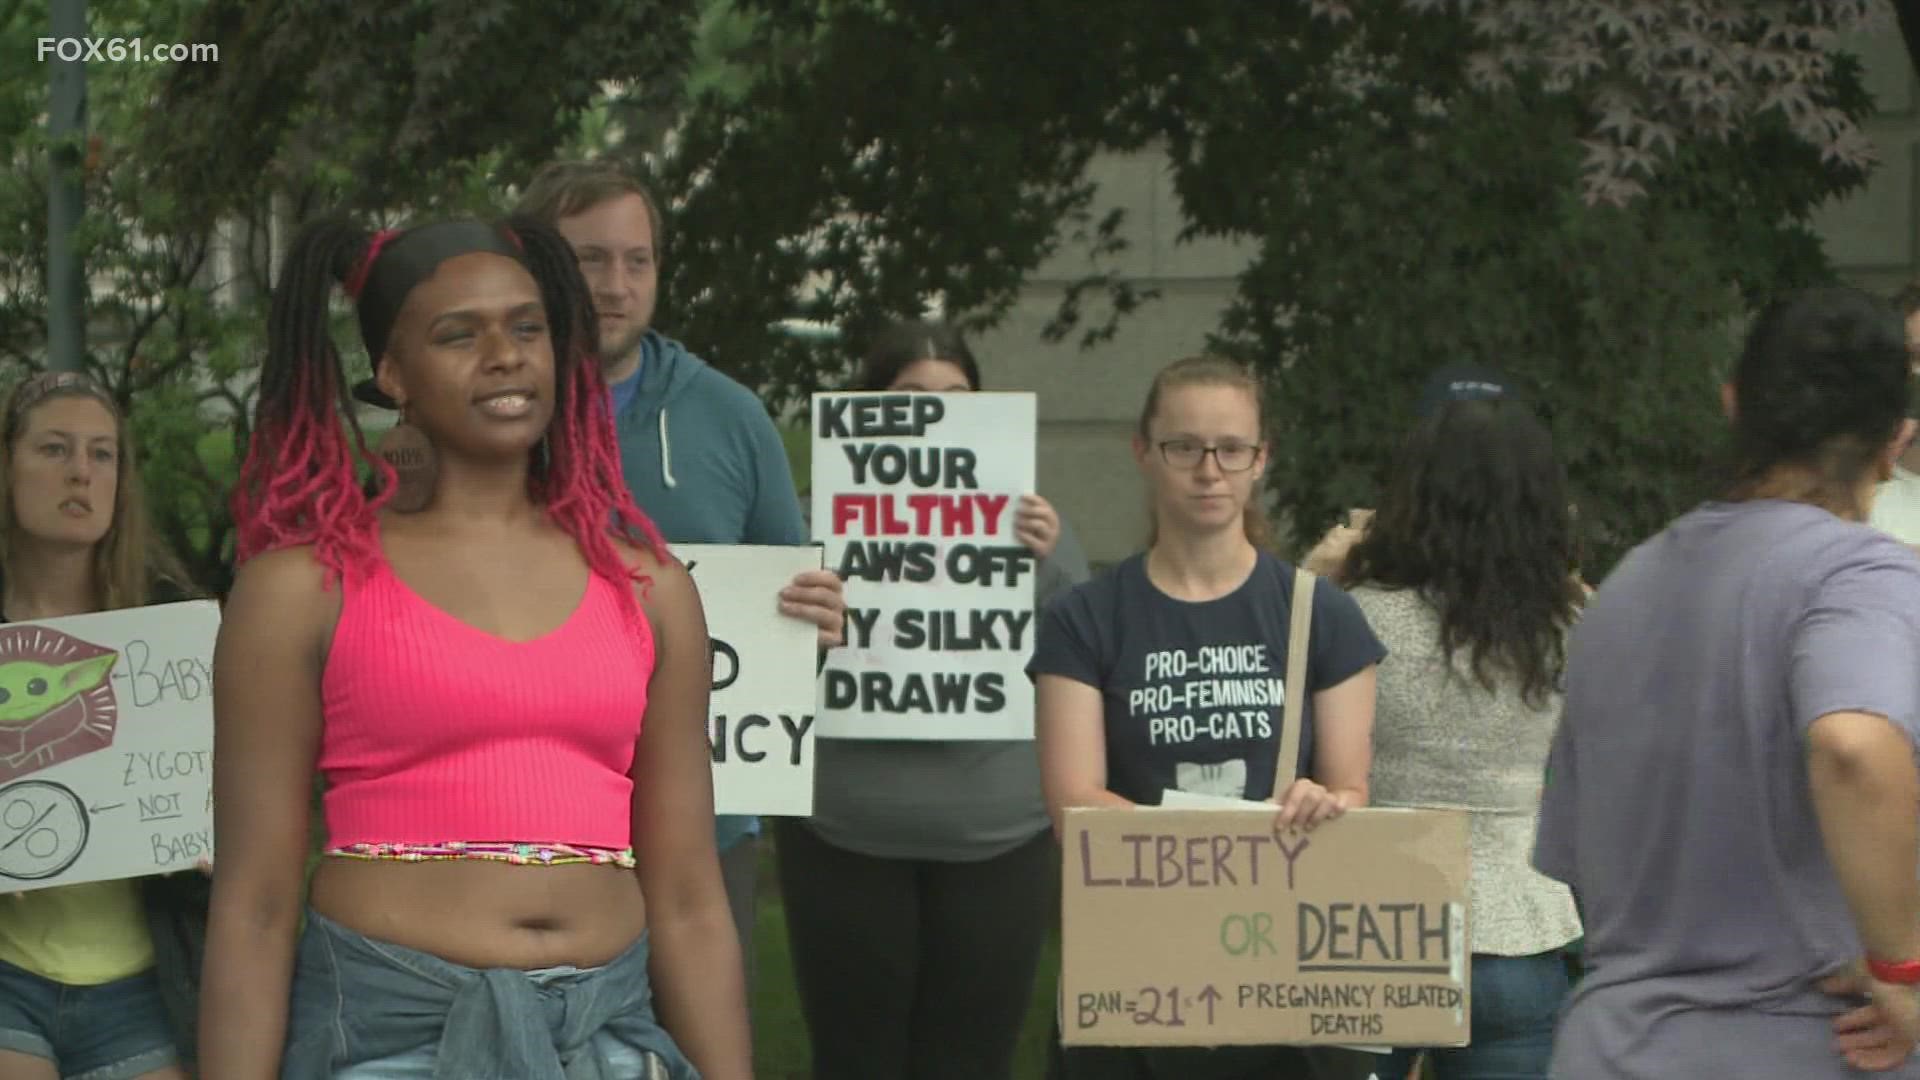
1463,574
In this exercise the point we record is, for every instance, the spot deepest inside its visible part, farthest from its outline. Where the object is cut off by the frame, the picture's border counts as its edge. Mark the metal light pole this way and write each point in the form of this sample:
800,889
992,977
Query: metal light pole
67,124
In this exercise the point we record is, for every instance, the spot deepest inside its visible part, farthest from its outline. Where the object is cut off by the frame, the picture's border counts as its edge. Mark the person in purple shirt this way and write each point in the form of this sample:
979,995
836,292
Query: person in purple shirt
1732,795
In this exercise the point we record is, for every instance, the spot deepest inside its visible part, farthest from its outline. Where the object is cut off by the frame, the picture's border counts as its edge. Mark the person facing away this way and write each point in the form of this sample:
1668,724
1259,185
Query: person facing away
1205,585
96,979
918,894
1896,506
1462,573
1731,794
505,689
1448,383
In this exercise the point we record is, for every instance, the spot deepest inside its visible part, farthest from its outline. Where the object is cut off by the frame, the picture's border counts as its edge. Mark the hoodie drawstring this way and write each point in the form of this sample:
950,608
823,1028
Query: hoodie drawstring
666,451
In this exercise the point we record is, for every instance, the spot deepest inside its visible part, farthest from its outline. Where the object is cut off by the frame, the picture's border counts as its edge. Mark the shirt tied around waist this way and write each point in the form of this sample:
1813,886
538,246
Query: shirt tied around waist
358,1000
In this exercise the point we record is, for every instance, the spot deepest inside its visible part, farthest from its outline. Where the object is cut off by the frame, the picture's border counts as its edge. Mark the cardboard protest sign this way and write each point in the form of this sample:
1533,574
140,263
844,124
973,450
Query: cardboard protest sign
915,496
760,718
1206,927
106,745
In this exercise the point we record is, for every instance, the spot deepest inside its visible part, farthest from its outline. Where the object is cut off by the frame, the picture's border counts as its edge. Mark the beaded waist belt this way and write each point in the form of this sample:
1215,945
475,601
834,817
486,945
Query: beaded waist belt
518,854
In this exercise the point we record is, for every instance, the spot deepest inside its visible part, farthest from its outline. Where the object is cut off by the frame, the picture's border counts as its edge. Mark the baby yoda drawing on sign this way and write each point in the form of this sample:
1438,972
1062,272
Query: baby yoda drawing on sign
56,699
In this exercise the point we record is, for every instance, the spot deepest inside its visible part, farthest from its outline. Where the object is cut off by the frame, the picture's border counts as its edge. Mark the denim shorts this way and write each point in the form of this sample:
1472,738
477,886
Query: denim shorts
114,1031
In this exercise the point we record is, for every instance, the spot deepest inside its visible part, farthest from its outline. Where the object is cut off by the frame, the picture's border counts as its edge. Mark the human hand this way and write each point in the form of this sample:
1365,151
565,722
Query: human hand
818,597
1306,804
1329,556
1036,525
1879,1035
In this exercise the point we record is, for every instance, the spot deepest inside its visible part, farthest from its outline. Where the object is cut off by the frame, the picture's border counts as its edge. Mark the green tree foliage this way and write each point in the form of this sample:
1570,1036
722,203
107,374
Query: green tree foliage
414,104
1417,185
195,169
1429,219
1588,194
1655,72
879,158
159,336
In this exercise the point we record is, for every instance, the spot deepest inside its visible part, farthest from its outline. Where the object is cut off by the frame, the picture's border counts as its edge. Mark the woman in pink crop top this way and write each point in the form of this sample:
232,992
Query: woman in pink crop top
503,688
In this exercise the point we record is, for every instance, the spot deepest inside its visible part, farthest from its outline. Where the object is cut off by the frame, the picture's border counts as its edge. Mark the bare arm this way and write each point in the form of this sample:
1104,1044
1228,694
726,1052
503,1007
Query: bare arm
266,720
1343,737
1342,756
696,969
1866,792
1071,732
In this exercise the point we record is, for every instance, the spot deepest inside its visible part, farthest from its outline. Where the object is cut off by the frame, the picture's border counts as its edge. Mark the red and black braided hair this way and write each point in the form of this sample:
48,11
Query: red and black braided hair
298,483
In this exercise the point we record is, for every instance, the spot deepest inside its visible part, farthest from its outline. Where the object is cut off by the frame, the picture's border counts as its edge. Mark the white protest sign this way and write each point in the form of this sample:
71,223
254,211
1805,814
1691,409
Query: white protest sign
760,719
914,496
106,745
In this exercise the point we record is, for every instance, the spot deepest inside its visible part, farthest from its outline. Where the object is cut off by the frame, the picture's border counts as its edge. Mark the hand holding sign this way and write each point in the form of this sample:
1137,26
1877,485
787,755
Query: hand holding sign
818,597
1037,525
1306,804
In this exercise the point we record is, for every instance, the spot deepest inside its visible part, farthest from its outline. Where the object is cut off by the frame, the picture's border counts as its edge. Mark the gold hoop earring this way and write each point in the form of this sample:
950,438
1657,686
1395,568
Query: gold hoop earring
416,465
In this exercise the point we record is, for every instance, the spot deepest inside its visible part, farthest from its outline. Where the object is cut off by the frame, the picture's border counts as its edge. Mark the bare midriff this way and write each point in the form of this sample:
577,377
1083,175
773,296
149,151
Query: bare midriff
486,913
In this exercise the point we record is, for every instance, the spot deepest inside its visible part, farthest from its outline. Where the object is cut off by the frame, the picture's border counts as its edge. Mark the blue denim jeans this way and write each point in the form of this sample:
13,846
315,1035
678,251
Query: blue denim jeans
114,1031
1516,1003
371,1010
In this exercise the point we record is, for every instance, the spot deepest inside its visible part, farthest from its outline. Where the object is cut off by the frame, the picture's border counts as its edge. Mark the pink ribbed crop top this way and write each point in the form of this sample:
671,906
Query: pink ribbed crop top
436,732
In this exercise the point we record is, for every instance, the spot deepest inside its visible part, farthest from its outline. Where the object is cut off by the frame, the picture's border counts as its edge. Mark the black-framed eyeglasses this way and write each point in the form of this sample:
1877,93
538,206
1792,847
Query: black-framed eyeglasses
1189,453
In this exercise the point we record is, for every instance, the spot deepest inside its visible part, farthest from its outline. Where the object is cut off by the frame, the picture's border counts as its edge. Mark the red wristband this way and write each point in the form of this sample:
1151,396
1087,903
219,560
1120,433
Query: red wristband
1903,973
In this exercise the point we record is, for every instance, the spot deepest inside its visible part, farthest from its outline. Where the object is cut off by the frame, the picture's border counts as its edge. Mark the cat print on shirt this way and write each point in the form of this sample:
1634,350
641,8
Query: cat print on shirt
1225,779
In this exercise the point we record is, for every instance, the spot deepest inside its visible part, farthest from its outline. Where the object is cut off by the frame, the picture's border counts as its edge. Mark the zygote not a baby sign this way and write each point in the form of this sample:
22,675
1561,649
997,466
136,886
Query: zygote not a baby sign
760,716
915,497
106,745
1206,927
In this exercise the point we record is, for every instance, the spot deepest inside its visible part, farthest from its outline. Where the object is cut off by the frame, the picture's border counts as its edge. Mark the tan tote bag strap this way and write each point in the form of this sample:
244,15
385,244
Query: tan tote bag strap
1284,772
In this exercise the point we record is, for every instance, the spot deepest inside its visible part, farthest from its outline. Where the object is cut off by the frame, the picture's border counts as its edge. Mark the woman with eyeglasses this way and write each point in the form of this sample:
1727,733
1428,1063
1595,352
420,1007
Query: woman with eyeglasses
1205,603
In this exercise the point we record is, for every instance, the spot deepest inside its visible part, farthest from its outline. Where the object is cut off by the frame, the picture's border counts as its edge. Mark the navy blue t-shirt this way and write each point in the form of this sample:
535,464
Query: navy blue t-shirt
1194,692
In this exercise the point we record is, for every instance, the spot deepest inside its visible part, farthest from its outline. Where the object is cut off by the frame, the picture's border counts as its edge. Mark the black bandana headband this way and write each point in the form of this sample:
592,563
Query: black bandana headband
396,264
